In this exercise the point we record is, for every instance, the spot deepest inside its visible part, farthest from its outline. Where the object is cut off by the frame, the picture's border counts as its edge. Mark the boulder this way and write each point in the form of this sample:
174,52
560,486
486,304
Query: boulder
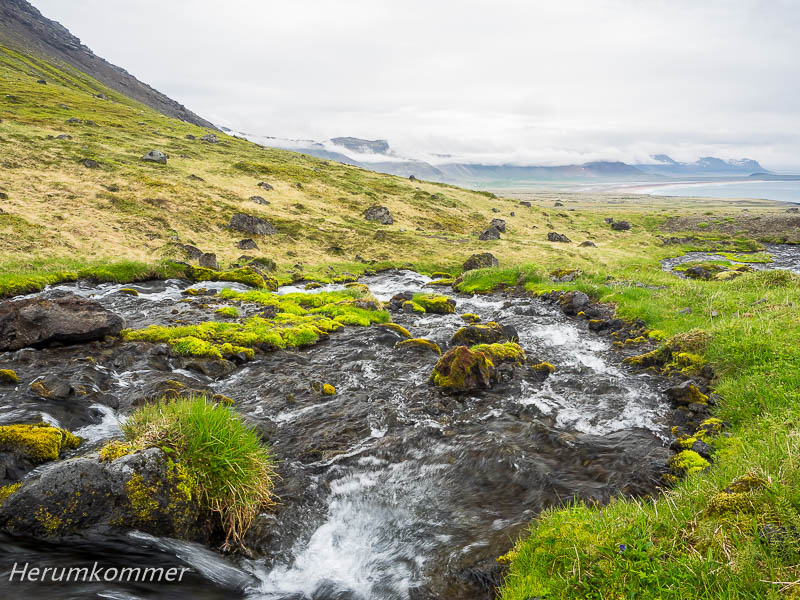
61,318
588,244
609,220
192,252
259,200
156,156
462,370
558,204
88,496
265,185
484,260
699,272
412,178
488,333
379,214
525,203
209,261
211,138
247,244
620,226
573,302
557,237
90,163
493,233
251,224
499,224
189,136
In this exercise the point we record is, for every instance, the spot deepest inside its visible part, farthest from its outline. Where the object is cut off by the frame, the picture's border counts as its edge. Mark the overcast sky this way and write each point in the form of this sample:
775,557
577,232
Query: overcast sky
524,81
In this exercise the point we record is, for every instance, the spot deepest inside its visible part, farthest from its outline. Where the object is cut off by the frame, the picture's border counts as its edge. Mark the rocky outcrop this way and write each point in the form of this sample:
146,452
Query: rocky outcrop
379,214
22,26
60,318
88,496
499,224
557,237
251,224
484,260
259,200
247,244
620,226
209,261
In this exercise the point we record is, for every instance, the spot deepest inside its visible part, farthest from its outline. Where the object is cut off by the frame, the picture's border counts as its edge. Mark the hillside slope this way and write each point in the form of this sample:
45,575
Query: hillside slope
23,27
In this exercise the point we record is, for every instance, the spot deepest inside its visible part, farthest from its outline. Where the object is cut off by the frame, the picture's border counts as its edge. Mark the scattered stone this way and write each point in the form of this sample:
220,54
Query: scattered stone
189,136
192,252
512,214
558,204
63,136
412,178
699,272
265,185
211,138
685,311
247,244
609,220
525,203
484,260
620,226
495,210
74,121
259,200
493,233
156,156
41,81
90,163
209,261
557,237
251,224
686,393
379,214
793,209
588,244
498,224
194,177
476,333
62,318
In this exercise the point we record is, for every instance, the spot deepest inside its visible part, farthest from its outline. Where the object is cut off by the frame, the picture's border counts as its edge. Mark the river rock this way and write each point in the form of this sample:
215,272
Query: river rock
479,333
87,496
156,156
499,224
251,224
462,370
493,233
209,261
573,302
61,318
557,237
485,260
379,214
620,226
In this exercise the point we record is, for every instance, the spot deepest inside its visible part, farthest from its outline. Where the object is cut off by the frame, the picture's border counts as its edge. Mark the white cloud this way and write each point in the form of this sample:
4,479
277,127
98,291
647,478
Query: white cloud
507,80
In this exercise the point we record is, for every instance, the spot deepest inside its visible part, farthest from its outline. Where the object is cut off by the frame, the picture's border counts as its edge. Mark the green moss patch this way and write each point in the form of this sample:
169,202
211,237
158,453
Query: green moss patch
39,442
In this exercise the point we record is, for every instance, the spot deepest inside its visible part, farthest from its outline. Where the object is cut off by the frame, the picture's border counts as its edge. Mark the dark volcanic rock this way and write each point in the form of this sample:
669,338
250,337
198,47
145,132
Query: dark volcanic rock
573,302
192,252
211,138
484,260
64,318
90,164
251,224
462,370
588,244
209,261
620,226
87,496
259,200
265,185
557,237
379,214
247,244
493,233
499,224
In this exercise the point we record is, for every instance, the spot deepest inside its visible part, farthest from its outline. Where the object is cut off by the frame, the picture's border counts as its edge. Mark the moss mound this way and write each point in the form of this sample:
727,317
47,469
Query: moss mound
462,370
441,305
488,333
38,443
8,376
509,352
419,343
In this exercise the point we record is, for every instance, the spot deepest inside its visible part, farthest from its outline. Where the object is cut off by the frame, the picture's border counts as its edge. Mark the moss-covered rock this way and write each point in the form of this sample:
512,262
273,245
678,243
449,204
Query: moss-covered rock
419,343
688,462
441,305
509,352
129,291
38,443
411,306
8,376
7,490
470,335
462,370
328,390
471,318
246,275
398,329
543,370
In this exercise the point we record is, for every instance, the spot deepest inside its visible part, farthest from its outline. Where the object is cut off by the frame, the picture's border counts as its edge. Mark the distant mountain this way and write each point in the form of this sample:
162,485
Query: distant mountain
362,146
708,166
23,27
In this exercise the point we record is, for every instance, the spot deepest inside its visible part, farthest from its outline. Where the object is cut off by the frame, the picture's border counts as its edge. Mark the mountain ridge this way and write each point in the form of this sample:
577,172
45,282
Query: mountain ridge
23,27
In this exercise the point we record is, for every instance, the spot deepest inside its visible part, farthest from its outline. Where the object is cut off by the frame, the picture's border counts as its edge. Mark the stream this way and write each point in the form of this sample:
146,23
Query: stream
390,490
784,256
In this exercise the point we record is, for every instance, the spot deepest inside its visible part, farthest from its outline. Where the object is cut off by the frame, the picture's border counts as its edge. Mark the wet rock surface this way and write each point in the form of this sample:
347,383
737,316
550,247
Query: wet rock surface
391,488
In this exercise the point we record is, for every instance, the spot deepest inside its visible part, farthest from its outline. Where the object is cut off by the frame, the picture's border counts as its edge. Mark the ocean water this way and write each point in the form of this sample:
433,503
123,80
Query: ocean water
784,191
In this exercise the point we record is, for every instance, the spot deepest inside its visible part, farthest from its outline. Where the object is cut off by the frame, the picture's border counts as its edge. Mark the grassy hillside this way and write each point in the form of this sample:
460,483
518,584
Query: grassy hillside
119,221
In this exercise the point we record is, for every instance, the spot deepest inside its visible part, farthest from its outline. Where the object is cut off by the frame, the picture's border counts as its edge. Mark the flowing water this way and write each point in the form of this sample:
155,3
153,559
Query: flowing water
784,256
389,489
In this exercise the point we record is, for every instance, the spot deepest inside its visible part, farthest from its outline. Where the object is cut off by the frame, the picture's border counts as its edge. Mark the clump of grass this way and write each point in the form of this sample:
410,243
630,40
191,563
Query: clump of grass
228,311
233,470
